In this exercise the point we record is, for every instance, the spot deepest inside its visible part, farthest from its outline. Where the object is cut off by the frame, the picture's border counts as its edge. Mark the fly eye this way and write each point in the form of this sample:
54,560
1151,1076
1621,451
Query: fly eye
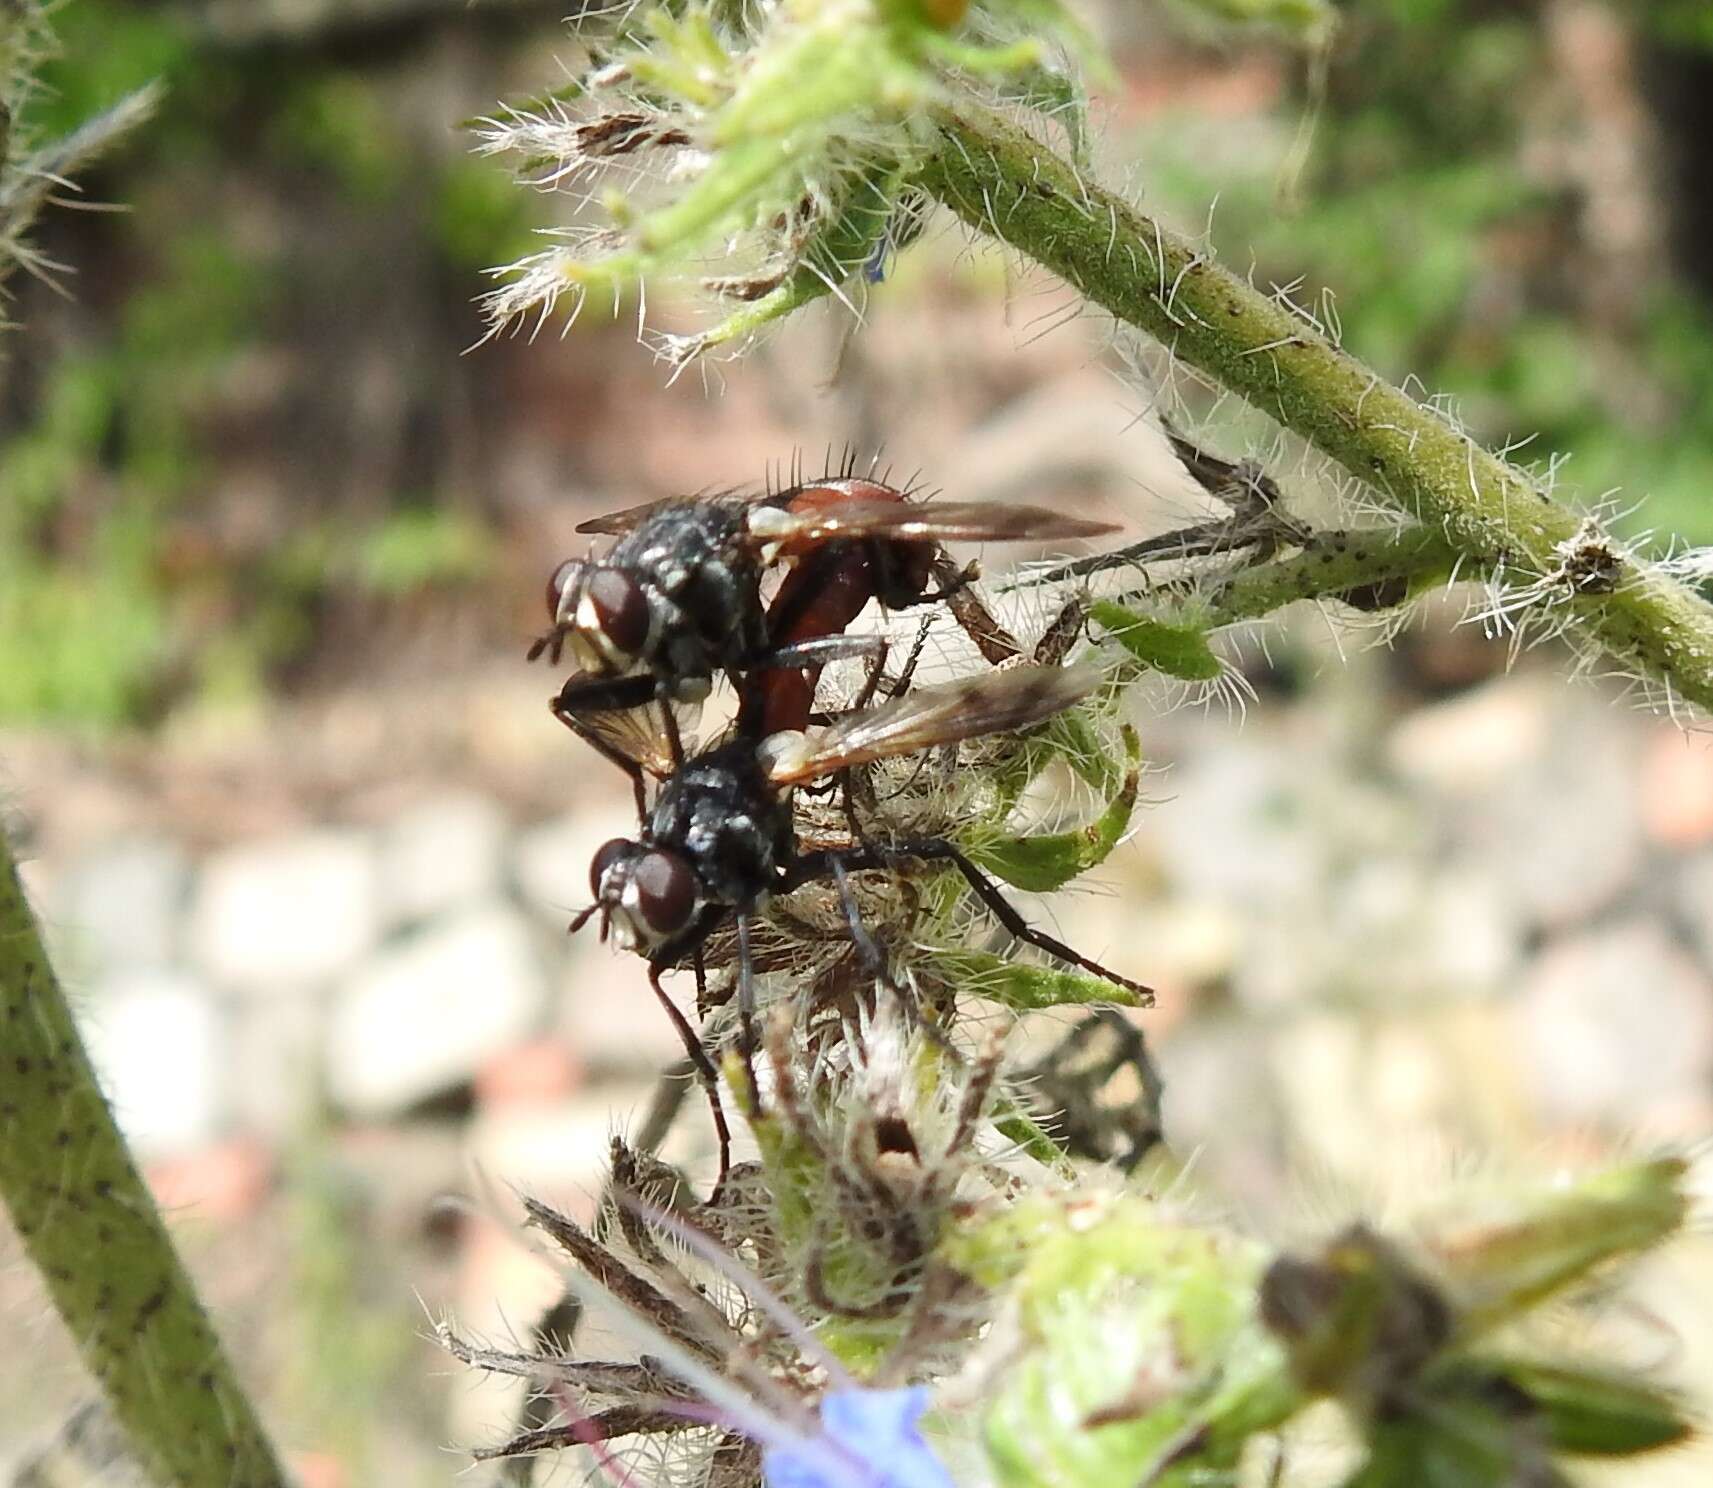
563,580
621,610
609,854
665,892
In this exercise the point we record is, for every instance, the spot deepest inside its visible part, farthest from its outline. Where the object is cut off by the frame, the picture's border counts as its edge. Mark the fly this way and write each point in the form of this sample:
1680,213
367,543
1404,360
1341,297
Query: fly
720,839
678,596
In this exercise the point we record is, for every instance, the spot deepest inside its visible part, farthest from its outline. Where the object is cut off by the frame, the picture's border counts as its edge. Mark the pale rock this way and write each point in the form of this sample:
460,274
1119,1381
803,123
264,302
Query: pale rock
551,862
1221,1103
276,1056
1235,829
1613,1023
1566,836
608,1014
558,1150
1692,888
1319,1063
1470,931
285,913
421,1018
440,855
123,903
157,1040
1475,741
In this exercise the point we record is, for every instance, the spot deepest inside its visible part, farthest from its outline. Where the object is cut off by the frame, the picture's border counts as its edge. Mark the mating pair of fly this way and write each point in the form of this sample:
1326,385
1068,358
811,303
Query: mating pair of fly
680,597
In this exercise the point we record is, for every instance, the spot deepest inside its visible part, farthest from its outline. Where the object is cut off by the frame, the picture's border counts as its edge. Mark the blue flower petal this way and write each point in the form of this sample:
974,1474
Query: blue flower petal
870,1440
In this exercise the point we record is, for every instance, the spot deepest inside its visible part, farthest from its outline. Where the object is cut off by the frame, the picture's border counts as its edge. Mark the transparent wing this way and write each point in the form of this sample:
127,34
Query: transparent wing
634,731
918,521
993,703
614,523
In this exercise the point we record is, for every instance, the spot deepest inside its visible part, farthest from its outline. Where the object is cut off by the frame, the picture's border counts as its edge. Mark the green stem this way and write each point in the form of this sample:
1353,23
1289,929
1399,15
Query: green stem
1005,183
1334,564
89,1223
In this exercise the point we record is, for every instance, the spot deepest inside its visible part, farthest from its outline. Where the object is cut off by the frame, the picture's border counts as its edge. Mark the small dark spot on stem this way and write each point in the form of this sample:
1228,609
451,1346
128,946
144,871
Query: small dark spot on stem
152,1304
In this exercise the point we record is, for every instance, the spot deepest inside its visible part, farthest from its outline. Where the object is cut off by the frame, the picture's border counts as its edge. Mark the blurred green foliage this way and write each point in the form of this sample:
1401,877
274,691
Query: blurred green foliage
117,598
1446,251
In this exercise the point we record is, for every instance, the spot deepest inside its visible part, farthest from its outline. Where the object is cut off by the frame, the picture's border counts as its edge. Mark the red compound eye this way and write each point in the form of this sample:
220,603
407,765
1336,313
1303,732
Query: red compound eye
563,581
621,610
609,853
665,892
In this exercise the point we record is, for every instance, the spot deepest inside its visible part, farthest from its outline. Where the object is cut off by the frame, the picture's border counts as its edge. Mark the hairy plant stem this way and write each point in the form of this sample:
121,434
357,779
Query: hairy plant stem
88,1221
1003,182
1377,566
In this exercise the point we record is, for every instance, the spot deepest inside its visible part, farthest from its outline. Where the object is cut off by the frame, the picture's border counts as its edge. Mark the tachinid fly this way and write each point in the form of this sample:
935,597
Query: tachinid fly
678,597
720,837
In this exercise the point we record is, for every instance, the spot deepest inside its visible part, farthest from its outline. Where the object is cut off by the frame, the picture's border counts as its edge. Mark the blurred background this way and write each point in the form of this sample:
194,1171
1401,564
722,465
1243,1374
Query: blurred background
274,523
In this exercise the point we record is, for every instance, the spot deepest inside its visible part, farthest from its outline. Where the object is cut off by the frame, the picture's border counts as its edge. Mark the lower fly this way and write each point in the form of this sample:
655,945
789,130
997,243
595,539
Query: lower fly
720,839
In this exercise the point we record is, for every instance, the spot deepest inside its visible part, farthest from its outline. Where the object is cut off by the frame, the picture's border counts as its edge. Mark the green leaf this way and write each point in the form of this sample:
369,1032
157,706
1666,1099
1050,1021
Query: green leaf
1504,1265
841,246
1587,1412
1177,650
1460,1445
1012,1121
1045,861
1026,987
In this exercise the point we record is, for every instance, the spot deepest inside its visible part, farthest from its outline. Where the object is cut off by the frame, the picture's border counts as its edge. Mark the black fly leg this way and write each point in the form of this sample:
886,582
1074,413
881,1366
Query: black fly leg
829,862
867,946
674,739
993,640
705,1070
932,849
1062,632
901,683
746,1011
846,778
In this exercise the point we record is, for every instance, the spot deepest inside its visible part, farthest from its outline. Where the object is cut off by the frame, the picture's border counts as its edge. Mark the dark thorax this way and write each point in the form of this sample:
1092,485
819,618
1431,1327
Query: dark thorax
720,812
701,580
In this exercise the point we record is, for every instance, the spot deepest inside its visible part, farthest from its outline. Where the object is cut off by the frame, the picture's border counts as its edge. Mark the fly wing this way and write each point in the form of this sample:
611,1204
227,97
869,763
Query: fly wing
632,517
634,731
918,521
992,703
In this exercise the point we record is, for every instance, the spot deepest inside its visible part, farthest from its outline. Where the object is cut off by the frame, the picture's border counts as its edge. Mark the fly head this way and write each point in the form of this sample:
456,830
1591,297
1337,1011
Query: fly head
646,896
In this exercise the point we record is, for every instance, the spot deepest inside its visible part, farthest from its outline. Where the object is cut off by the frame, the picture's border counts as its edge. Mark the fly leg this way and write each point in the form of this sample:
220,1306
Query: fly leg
705,1071
867,946
821,864
746,1010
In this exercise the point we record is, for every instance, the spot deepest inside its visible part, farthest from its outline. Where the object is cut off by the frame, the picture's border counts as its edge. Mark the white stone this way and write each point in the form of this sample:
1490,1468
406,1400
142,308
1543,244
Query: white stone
440,855
123,903
608,1014
1235,828
551,861
158,1042
423,1017
1613,1022
285,913
559,1151
275,1063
